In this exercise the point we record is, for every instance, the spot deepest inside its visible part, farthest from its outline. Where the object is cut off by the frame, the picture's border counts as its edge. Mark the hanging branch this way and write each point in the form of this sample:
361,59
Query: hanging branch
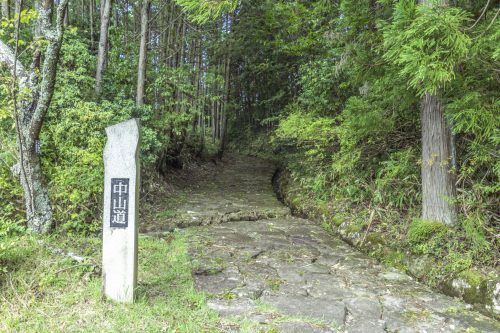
480,16
23,82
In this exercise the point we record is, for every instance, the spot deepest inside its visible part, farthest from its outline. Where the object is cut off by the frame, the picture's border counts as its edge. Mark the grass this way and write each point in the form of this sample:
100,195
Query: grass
46,292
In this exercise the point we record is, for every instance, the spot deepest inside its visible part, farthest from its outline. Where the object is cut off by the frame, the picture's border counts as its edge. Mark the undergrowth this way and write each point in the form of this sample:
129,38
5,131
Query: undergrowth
45,292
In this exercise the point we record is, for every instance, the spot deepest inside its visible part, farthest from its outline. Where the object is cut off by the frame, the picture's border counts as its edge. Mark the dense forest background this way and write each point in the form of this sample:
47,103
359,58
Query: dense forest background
331,89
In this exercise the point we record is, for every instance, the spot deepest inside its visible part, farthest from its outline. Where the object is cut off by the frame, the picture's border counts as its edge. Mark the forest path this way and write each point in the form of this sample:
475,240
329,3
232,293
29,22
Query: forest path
277,273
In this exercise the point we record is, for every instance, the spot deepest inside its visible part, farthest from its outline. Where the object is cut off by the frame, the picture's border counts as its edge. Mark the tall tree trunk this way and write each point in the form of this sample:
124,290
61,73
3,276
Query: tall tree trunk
227,91
170,33
91,15
5,9
66,16
103,45
30,110
37,201
438,183
141,73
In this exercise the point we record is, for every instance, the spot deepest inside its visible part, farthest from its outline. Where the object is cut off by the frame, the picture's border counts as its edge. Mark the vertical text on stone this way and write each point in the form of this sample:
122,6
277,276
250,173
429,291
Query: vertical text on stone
119,202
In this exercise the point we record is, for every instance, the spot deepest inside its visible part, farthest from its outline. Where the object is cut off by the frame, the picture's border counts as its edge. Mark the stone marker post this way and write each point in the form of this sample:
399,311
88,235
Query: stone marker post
121,204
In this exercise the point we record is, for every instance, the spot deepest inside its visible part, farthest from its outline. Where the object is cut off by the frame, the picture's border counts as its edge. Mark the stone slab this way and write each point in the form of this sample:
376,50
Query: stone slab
121,197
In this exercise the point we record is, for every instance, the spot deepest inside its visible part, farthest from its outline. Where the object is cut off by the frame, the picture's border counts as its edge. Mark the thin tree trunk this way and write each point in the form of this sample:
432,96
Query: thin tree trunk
227,91
103,45
30,111
66,16
213,120
170,32
5,9
141,74
438,181
91,15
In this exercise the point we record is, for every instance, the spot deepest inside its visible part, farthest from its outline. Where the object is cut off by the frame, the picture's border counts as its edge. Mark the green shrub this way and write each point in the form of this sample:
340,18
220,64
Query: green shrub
397,183
9,230
11,201
73,142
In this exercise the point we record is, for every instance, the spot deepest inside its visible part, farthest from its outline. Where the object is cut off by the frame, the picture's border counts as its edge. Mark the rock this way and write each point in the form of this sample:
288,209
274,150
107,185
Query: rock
300,327
238,307
323,309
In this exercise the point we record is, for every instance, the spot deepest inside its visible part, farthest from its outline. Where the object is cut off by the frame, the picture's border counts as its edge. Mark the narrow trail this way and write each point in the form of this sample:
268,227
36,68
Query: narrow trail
285,274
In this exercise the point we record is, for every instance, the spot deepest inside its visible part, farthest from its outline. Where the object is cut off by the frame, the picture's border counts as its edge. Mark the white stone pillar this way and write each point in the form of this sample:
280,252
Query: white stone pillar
121,205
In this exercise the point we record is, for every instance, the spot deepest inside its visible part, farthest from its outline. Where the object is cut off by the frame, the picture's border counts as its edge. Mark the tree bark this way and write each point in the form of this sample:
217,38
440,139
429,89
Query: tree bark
141,73
438,181
30,111
91,23
103,45
5,9
227,92
66,16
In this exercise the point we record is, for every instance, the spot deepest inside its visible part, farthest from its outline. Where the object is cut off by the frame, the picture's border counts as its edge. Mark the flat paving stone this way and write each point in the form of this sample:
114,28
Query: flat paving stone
288,275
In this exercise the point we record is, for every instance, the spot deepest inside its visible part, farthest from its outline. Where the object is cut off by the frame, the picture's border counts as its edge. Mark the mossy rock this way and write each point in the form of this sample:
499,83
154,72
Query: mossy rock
354,228
337,220
375,238
420,266
421,231
393,258
472,277
323,208
475,288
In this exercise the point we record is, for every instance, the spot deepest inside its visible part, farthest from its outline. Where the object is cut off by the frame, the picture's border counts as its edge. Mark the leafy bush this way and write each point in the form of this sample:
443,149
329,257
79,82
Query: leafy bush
397,183
73,141
313,135
10,189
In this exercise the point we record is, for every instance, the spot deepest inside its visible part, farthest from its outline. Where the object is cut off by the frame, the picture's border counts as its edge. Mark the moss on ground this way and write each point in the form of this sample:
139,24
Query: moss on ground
421,231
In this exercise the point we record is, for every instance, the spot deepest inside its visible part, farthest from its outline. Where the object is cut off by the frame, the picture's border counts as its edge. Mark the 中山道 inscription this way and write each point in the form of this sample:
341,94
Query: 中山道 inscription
119,202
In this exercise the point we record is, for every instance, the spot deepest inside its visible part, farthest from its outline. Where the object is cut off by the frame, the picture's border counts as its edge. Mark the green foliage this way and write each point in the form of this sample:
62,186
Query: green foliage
10,189
314,134
318,95
360,123
477,119
397,183
9,231
473,226
426,43
73,142
206,10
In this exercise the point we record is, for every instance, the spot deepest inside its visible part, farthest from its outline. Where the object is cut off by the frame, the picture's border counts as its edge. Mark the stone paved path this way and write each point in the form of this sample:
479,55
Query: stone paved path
286,274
